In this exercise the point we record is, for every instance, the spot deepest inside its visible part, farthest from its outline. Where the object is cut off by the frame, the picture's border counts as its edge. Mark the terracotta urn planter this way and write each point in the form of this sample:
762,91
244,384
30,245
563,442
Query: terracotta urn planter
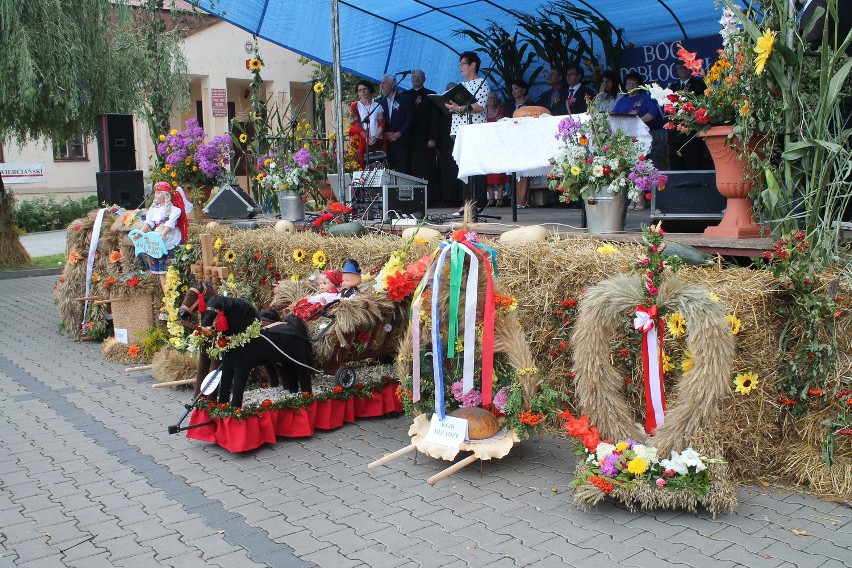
738,221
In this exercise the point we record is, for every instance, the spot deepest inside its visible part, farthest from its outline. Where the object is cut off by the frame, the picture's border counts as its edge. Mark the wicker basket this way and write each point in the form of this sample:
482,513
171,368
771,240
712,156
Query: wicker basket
135,313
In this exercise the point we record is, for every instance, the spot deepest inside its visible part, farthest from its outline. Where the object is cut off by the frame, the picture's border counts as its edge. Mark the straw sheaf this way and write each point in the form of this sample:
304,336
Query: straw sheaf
72,284
116,352
170,365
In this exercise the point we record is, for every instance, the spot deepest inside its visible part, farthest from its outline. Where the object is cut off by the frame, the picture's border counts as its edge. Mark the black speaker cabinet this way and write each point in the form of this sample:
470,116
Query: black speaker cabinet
231,203
116,146
121,188
689,203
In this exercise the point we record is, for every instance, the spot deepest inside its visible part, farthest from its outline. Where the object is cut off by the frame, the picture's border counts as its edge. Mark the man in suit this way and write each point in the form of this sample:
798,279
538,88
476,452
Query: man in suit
686,151
554,98
396,109
576,93
423,138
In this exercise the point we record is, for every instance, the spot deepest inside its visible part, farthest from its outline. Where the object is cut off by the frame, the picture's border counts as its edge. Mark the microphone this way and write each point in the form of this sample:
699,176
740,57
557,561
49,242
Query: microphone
406,73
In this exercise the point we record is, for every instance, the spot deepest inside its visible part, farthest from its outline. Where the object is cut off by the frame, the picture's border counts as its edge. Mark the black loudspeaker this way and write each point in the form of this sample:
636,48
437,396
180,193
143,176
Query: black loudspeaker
689,203
121,188
231,203
116,146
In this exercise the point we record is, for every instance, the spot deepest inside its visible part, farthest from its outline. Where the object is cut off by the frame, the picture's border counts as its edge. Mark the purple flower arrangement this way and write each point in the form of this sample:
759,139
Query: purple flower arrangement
186,160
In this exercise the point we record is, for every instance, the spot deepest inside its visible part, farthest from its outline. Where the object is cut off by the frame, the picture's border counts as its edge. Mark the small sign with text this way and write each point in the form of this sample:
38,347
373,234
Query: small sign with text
450,431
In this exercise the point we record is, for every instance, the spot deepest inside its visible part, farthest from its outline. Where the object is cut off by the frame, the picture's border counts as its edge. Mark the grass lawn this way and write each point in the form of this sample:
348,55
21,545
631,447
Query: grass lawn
49,261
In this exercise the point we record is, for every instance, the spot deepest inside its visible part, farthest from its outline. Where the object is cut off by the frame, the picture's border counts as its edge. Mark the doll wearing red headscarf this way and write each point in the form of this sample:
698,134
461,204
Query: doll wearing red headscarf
308,307
166,217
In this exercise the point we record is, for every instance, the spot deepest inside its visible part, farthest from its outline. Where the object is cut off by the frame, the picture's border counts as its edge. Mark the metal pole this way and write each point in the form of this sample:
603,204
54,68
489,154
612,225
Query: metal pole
337,115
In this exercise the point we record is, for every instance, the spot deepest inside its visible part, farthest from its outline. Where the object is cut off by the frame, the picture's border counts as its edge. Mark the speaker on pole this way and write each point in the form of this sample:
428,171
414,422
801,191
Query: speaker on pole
232,202
121,188
116,145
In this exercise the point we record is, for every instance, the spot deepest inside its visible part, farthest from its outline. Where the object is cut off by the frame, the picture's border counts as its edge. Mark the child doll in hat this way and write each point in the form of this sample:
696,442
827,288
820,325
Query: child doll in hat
167,217
351,278
308,307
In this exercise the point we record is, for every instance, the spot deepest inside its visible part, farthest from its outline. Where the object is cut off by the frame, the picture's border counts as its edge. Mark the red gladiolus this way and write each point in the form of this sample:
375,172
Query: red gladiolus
702,116
689,107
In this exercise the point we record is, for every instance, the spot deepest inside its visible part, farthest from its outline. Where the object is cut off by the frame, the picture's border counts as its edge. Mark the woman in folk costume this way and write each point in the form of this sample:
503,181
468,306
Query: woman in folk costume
367,123
167,217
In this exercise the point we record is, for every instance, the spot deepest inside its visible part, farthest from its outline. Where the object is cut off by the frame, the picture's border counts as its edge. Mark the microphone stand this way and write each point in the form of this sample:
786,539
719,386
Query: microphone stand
469,112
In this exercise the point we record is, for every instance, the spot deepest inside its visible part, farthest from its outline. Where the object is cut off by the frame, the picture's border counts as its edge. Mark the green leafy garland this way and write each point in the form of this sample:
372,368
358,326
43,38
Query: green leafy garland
224,343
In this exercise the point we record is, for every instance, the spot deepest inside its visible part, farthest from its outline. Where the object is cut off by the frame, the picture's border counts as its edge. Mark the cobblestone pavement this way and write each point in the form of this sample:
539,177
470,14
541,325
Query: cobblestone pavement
89,477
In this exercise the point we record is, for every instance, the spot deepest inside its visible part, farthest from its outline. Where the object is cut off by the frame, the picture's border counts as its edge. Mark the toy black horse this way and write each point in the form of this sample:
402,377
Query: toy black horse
290,336
195,301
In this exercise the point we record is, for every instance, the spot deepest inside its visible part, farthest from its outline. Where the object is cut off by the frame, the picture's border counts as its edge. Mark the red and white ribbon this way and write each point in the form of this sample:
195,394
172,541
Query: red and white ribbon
647,321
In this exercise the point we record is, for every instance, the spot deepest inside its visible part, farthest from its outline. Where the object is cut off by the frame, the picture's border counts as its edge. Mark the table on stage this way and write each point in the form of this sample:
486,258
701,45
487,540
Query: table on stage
523,146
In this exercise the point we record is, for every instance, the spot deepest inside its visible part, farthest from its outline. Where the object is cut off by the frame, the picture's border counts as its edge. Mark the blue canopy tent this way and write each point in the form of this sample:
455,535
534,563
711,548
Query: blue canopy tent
387,36
374,37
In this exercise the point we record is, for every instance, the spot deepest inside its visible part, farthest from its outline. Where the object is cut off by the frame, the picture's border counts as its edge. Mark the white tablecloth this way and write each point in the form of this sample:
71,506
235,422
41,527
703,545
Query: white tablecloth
523,145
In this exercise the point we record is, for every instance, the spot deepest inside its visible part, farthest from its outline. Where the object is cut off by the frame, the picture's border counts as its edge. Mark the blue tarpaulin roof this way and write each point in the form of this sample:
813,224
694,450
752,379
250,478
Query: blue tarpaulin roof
387,36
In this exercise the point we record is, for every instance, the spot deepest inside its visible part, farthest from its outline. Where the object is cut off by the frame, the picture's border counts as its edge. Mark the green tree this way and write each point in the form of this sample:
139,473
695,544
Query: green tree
63,63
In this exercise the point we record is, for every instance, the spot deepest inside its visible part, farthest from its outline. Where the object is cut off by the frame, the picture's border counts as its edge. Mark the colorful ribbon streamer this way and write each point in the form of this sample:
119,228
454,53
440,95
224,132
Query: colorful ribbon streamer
647,321
90,260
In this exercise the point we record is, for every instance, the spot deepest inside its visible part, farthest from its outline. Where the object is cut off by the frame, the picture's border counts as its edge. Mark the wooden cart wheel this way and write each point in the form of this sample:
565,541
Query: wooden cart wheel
345,377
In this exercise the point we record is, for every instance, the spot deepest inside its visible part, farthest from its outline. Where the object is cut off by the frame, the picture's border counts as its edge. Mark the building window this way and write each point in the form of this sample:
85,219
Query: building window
73,149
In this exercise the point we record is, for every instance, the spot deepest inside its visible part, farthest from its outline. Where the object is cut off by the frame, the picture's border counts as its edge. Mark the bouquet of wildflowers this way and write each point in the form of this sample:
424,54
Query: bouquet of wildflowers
186,160
607,466
598,159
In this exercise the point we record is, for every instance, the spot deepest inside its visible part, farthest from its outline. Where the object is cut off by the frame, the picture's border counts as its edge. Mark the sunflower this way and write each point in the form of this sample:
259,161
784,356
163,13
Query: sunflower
676,324
745,382
319,259
243,138
714,296
686,364
735,323
607,249
319,87
218,243
294,277
299,255
763,49
255,64
667,363
230,256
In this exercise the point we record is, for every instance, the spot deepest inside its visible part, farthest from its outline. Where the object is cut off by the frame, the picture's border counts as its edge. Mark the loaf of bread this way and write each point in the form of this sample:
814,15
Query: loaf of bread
533,111
481,424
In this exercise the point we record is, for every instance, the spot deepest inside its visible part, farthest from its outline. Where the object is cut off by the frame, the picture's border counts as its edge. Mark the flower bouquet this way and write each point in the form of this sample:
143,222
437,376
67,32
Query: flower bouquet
738,93
185,159
302,168
634,474
597,159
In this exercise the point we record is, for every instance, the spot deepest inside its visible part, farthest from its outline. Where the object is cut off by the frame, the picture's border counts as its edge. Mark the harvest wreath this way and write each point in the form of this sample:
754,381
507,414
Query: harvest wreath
699,394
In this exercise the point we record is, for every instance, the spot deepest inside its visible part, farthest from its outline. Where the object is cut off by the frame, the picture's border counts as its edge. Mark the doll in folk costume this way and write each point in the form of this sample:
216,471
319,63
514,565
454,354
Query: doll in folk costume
310,306
167,217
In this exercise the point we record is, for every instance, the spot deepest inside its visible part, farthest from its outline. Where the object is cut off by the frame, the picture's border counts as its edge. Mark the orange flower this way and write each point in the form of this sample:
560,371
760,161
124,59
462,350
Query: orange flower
306,394
134,350
337,389
115,256
74,257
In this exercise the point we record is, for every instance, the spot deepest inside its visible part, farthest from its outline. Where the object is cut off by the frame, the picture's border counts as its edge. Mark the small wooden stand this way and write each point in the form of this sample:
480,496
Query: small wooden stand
204,268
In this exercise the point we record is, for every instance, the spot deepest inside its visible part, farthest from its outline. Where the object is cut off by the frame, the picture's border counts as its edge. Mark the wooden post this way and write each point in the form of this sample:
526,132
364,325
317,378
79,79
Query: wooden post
173,383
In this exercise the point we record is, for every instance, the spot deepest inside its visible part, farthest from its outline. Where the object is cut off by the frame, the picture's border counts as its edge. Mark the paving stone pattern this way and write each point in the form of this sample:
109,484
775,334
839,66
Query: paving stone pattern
89,477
